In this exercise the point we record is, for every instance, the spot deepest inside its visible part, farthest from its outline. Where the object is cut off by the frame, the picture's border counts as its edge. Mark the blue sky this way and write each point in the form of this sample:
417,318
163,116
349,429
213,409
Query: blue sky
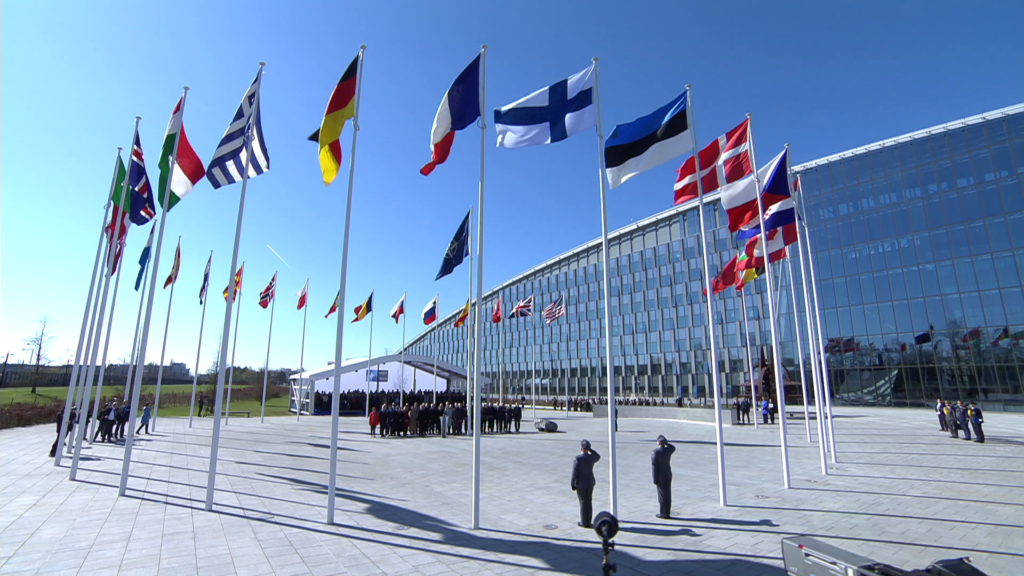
824,77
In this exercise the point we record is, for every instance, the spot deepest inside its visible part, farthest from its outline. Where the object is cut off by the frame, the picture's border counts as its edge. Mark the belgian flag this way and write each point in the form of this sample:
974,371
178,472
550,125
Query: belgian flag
340,108
363,309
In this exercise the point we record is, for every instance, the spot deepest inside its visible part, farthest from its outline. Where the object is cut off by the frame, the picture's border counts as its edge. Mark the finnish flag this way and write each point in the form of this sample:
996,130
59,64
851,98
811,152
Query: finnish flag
550,114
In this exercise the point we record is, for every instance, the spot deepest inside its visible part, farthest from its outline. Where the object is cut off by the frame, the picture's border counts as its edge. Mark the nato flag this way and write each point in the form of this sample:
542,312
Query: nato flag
458,249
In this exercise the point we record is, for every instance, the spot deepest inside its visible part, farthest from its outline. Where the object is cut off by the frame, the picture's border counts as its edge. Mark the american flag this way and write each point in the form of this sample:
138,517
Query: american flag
554,311
523,309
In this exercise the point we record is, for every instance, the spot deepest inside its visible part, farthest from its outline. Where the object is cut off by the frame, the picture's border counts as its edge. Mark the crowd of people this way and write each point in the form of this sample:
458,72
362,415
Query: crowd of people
956,418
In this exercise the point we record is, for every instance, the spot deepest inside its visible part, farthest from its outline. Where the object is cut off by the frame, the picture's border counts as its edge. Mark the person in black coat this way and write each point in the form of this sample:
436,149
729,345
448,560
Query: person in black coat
583,481
517,415
661,469
977,419
66,430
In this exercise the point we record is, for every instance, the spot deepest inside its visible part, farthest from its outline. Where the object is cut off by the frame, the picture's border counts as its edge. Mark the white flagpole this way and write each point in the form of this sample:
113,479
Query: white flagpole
475,513
469,301
825,380
302,355
147,270
750,361
437,309
711,315
163,349
234,348
211,477
780,389
73,382
813,350
369,356
199,348
561,369
270,333
533,357
799,348
609,369
81,400
401,384
106,342
501,351
340,333
110,258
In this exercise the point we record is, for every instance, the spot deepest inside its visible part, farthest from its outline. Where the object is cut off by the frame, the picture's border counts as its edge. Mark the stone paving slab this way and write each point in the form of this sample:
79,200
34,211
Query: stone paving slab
902,493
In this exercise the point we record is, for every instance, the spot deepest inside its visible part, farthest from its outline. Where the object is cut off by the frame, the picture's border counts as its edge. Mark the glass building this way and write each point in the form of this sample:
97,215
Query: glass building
918,245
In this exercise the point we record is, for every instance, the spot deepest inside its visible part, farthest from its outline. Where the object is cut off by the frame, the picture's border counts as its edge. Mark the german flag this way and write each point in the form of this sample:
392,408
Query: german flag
340,108
363,309
463,316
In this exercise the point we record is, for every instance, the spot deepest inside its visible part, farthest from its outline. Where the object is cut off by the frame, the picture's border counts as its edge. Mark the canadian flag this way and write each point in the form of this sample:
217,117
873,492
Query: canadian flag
725,160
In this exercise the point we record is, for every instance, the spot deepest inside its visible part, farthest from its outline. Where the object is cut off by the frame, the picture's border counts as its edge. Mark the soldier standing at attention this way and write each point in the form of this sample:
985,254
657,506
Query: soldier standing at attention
942,415
977,419
661,468
583,481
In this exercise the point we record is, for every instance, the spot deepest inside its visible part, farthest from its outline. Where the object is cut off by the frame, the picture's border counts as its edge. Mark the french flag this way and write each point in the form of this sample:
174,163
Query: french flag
430,312
459,108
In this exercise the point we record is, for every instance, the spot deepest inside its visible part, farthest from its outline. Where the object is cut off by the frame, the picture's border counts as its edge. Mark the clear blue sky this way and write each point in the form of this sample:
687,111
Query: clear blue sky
823,77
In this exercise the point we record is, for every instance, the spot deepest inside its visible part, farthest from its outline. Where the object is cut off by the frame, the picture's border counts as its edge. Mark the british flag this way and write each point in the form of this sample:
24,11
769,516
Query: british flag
554,311
523,309
142,207
725,160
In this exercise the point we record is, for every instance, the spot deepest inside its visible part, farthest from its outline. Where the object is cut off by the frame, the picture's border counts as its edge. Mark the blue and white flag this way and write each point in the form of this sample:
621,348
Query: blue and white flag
144,258
229,160
648,141
550,114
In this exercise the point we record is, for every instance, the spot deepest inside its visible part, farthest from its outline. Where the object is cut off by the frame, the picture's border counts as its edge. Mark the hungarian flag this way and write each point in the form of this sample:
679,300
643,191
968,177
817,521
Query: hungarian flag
334,306
302,297
188,168
268,293
340,107
119,213
399,309
463,316
363,309
206,279
724,161
238,284
496,313
459,108
430,312
174,267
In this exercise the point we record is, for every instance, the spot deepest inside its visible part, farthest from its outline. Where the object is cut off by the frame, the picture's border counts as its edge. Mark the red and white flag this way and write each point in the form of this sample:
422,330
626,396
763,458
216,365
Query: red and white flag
302,296
496,314
724,161
268,293
399,309
755,251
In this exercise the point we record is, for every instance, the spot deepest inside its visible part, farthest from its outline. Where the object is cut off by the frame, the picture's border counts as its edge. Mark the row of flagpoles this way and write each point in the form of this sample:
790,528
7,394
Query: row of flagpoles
760,207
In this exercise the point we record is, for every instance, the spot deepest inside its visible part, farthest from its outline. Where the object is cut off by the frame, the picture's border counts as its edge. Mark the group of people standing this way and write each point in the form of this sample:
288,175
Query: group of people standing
767,408
956,417
419,419
111,422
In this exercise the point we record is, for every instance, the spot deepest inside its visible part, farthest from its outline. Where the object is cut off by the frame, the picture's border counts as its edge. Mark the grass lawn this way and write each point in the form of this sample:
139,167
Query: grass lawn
60,394
275,407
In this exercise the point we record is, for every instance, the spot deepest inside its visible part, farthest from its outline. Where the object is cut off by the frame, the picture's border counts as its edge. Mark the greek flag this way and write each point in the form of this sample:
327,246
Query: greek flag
550,114
229,160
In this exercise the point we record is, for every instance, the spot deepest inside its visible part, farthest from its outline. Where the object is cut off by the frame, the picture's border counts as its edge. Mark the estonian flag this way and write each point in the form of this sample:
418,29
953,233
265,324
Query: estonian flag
648,141
458,249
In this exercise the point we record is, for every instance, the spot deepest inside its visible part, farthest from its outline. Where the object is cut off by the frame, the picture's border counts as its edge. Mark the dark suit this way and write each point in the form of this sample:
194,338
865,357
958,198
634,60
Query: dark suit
661,469
583,483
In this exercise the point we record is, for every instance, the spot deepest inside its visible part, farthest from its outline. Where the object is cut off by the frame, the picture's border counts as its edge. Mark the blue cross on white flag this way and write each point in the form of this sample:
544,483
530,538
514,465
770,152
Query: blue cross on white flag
229,160
550,114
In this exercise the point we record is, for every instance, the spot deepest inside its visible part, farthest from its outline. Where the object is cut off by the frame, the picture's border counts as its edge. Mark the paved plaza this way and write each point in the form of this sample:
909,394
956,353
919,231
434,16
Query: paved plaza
902,493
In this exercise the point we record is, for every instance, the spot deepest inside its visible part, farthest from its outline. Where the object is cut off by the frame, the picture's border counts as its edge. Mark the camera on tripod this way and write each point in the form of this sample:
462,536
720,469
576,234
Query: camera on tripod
606,526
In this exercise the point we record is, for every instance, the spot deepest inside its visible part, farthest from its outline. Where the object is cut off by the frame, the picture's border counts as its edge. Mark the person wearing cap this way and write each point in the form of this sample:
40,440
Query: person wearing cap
977,419
583,481
661,468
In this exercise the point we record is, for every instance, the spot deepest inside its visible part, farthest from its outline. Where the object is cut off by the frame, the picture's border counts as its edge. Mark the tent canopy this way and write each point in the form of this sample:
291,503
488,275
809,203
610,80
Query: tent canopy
445,371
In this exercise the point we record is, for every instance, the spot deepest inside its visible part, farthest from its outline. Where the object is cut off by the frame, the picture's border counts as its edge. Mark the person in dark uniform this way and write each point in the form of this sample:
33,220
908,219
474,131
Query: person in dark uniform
517,415
962,419
583,481
499,417
66,430
942,415
977,419
661,469
950,414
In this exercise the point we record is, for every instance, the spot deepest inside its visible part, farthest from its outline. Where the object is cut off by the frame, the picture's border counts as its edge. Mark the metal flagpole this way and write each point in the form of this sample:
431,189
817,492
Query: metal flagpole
533,356
750,361
780,389
110,258
799,347
475,513
106,344
270,333
302,355
814,354
369,356
147,270
612,469
73,382
234,348
561,369
437,324
340,333
707,285
211,477
469,302
199,348
825,380
163,349
95,325
401,385
501,352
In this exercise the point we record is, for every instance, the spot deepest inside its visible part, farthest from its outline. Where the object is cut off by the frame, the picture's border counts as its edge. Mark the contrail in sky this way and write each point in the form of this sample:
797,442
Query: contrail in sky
278,256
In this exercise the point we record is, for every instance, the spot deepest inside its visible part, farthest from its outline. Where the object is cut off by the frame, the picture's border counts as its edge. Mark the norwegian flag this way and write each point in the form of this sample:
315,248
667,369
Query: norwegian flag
523,309
554,311
725,160
268,293
302,296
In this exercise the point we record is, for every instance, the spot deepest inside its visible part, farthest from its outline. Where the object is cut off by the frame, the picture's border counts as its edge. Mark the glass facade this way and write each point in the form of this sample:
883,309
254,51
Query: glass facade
917,238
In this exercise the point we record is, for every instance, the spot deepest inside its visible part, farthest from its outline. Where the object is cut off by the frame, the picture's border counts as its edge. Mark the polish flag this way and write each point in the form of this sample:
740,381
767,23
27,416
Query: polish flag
459,108
725,160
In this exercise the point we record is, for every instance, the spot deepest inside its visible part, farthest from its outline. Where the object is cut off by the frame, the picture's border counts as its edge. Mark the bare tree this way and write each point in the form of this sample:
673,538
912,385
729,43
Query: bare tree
39,344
